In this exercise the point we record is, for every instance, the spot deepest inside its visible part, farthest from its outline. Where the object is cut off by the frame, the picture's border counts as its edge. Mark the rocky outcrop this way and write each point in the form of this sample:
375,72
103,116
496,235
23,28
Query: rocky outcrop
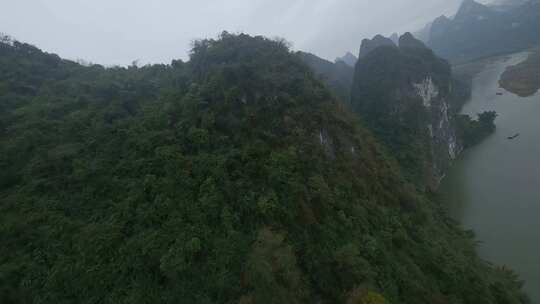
404,95
369,45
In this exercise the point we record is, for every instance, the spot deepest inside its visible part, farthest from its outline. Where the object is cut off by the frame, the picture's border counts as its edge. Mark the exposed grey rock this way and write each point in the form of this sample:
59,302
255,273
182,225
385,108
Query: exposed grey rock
405,96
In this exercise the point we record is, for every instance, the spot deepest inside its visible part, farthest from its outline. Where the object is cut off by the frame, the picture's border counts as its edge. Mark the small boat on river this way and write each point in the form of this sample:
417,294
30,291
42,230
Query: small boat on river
514,136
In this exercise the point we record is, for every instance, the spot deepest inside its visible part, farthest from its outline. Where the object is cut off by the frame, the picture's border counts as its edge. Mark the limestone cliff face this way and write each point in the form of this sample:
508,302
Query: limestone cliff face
404,95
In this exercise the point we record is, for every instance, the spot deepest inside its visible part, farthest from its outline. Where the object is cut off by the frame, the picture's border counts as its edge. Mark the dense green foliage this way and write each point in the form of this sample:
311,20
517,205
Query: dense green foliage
384,95
474,131
232,178
410,99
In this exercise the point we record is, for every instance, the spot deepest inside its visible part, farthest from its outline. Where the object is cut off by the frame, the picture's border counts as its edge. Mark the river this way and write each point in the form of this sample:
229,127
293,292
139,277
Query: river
494,188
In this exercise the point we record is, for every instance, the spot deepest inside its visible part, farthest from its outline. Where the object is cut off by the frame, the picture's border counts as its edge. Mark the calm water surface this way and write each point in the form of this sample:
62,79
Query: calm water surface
494,189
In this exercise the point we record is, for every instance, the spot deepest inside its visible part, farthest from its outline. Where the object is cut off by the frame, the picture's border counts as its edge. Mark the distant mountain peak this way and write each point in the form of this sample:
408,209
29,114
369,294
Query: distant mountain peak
508,2
439,27
482,30
407,40
349,59
467,4
395,38
441,21
369,45
441,18
471,8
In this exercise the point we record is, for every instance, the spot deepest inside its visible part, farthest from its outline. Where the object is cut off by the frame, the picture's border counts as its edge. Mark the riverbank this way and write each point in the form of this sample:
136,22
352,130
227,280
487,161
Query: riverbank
493,187
523,79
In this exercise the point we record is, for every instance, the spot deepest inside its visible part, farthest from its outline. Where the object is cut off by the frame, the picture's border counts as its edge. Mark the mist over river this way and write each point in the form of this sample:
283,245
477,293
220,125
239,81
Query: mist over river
494,188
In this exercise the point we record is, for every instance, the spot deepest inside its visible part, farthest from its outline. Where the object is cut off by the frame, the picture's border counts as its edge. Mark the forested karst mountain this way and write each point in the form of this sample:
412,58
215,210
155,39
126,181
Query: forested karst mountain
449,137
232,178
405,95
369,45
479,30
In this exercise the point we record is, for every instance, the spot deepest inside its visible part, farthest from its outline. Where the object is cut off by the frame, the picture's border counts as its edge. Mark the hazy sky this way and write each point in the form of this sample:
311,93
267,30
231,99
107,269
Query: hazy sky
121,31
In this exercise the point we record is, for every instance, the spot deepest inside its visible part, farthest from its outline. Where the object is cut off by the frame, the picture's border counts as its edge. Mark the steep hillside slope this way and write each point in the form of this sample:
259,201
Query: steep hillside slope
233,178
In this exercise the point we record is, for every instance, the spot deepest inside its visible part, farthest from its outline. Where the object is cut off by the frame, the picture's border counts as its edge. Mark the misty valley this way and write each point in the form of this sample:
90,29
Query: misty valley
256,171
